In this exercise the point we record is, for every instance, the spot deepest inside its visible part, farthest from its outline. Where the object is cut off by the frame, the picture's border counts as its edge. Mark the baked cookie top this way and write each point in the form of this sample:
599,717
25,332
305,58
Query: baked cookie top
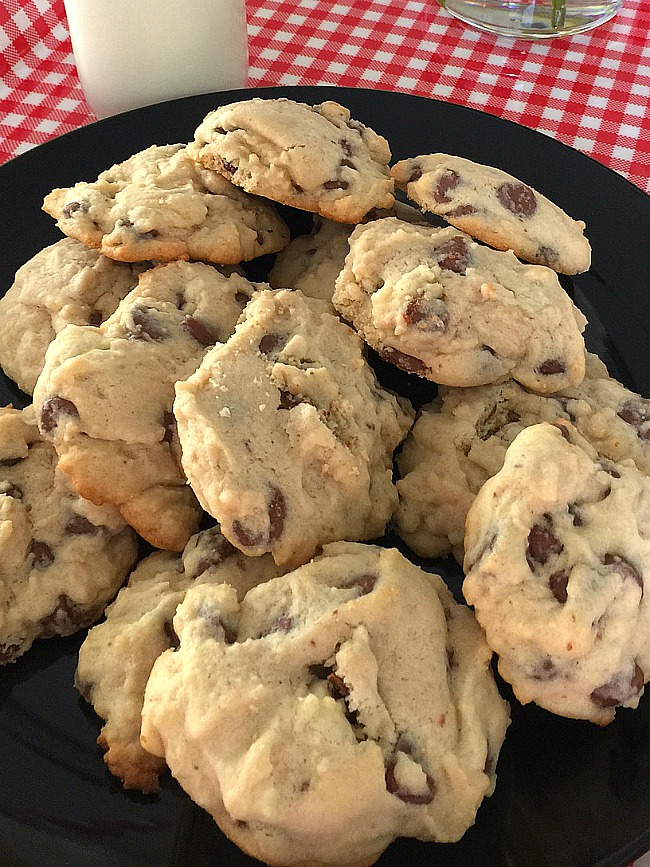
358,666
460,441
62,559
118,654
105,395
496,208
557,556
66,283
435,303
160,204
303,454
316,158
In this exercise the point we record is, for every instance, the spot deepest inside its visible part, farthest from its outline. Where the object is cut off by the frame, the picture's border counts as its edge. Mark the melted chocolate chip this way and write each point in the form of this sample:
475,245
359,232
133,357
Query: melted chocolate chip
545,670
558,583
619,689
336,184
400,359
542,544
42,554
145,326
277,515
394,788
72,208
546,256
244,536
416,174
199,331
517,198
52,409
633,413
461,211
79,525
429,315
624,568
228,168
365,582
66,618
453,255
447,181
552,366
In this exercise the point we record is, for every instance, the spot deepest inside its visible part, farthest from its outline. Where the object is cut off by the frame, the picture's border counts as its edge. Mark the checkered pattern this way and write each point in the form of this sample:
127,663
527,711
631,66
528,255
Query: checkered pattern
591,91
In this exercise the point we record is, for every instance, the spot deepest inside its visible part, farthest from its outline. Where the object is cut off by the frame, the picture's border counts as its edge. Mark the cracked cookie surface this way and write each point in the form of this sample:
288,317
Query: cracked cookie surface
62,559
460,441
160,204
358,666
67,283
105,395
435,303
118,654
496,208
316,158
303,454
557,554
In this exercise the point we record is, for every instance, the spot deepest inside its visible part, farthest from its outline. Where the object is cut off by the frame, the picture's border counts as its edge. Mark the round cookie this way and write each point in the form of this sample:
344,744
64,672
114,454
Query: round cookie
557,554
66,283
316,158
62,559
496,208
356,667
118,654
105,395
159,204
460,440
435,303
303,454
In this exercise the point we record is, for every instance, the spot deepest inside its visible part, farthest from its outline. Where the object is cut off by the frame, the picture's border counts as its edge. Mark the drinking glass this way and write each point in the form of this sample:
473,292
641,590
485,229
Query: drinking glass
131,53
533,19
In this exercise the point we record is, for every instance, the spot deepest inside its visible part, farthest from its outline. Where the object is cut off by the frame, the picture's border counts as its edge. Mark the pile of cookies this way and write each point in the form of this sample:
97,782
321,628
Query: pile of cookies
267,652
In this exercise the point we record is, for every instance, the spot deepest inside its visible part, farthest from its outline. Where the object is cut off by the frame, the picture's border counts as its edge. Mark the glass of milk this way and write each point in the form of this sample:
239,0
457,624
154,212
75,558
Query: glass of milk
131,53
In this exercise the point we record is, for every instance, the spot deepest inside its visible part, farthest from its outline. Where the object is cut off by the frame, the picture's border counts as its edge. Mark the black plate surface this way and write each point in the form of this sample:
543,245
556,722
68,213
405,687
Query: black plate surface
568,794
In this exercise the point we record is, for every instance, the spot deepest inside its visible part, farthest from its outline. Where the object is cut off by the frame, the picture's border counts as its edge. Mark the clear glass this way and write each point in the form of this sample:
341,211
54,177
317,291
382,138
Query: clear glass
131,53
535,19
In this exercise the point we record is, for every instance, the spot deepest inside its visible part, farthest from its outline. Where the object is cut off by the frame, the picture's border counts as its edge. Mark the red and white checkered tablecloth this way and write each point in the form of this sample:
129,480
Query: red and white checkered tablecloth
591,91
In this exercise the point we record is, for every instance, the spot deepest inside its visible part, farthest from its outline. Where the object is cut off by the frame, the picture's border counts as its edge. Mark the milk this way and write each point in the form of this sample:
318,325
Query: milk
131,53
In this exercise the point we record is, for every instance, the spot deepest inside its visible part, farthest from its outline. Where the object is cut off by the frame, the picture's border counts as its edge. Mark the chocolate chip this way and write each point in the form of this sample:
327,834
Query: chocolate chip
400,359
545,670
634,413
277,514
609,467
244,536
289,400
348,164
517,198
394,788
619,689
65,619
228,168
624,568
338,684
558,583
297,187
346,147
542,544
79,525
42,554
199,331
453,255
170,634
576,514
416,174
461,211
366,582
145,326
95,318
336,184
546,256
217,551
447,181
429,315
552,366
72,208
498,417
53,408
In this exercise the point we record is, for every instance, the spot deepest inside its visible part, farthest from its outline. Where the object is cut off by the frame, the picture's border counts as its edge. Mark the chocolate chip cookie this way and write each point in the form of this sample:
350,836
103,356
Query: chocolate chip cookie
118,654
496,208
303,454
160,204
557,554
436,303
105,395
460,441
66,283
316,158
62,559
356,667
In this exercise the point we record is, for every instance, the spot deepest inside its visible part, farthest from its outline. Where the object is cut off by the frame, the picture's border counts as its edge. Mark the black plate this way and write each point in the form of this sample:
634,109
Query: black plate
569,794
